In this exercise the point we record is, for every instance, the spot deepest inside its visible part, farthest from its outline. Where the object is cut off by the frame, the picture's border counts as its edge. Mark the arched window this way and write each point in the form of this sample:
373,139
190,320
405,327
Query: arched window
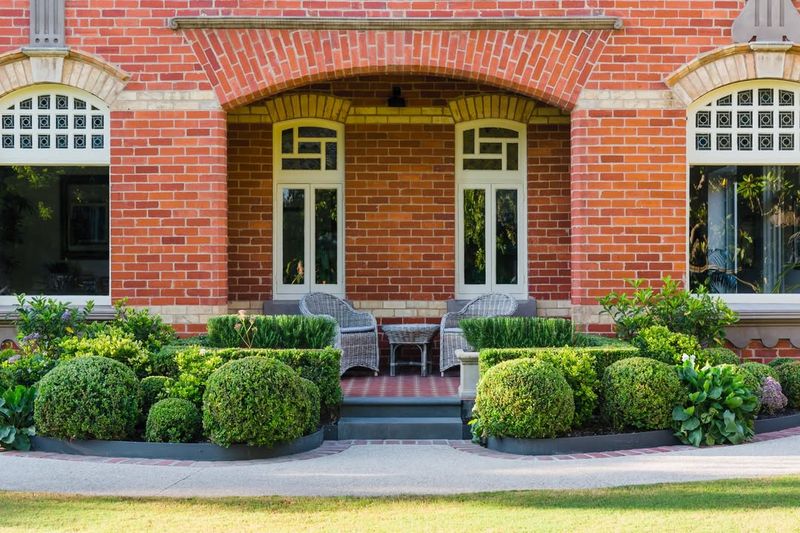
54,195
308,171
744,189
491,208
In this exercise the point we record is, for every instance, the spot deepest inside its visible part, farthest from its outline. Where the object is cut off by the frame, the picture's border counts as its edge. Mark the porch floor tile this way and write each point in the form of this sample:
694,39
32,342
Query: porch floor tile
406,386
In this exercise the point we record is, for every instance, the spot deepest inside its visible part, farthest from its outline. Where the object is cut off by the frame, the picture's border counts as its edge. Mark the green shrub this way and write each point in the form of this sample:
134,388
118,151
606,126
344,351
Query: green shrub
698,314
789,378
42,323
257,401
274,332
312,406
26,370
524,398
590,340
718,356
154,388
149,329
112,343
759,370
517,332
778,361
576,364
603,355
319,366
16,417
640,393
88,398
173,420
659,343
717,407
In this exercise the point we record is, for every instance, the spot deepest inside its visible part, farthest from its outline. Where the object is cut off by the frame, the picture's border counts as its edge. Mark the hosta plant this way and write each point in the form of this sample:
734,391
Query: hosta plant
16,417
718,408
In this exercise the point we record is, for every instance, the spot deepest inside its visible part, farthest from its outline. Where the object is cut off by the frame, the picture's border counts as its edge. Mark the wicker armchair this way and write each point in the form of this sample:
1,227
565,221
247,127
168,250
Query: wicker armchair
356,334
452,337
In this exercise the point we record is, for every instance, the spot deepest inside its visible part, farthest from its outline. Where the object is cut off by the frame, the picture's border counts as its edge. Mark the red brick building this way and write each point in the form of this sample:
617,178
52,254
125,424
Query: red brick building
196,156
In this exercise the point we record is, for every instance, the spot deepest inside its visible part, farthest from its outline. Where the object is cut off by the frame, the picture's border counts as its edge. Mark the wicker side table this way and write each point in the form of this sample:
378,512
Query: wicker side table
419,335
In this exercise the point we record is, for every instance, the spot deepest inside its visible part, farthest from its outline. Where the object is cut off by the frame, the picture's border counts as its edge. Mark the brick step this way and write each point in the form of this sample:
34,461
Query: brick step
388,407
356,428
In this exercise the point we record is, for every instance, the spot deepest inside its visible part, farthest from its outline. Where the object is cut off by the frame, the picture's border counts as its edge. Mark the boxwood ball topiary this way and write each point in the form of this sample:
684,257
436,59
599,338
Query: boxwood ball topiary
640,393
153,389
759,370
718,356
257,401
173,420
88,398
312,406
524,398
789,378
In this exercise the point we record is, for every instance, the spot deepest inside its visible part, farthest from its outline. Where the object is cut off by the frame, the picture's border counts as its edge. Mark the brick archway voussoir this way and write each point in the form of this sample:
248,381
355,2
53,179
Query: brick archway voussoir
733,64
21,68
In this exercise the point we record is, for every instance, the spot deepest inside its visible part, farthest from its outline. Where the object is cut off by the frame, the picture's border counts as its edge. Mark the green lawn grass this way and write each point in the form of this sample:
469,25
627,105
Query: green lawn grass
734,505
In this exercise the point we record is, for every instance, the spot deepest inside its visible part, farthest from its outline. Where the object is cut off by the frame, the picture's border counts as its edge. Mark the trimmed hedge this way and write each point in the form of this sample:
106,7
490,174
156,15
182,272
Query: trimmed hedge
789,378
661,344
517,332
759,370
173,420
525,398
604,355
576,364
88,398
112,343
153,390
272,332
313,413
256,401
640,393
318,366
718,356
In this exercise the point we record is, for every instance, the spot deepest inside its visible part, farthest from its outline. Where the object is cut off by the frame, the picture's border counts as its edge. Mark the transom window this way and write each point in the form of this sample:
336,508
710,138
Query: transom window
744,189
491,206
308,169
54,195
52,124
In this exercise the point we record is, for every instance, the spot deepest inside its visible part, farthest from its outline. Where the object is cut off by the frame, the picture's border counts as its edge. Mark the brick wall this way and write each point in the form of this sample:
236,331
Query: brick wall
168,208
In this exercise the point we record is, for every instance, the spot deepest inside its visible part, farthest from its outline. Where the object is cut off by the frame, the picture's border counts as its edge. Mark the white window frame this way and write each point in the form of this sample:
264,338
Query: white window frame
755,157
309,181
86,157
490,181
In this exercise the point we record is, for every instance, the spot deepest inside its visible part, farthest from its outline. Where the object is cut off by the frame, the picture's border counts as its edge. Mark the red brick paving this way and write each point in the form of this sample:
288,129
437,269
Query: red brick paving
407,386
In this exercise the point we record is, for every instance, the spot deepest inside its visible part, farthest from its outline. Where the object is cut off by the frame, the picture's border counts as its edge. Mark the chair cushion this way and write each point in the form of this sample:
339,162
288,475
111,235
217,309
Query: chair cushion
454,330
357,329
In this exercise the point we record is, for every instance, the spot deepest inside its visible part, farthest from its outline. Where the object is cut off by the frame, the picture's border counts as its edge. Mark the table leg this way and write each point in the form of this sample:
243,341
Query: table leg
424,359
392,362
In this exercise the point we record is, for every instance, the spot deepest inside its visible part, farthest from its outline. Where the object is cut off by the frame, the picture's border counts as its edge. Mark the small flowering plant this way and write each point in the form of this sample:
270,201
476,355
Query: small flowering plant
718,408
246,328
43,322
772,397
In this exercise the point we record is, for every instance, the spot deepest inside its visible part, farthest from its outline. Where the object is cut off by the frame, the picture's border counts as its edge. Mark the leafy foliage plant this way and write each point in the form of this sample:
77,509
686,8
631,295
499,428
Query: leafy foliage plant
16,417
718,407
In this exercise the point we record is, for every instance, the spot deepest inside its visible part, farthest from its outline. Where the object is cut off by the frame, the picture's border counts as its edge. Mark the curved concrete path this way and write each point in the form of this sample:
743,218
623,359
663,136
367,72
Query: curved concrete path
392,469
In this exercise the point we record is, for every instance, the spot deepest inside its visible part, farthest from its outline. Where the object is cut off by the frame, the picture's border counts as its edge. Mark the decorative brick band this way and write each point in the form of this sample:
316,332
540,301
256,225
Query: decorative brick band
735,63
607,99
266,113
166,101
21,68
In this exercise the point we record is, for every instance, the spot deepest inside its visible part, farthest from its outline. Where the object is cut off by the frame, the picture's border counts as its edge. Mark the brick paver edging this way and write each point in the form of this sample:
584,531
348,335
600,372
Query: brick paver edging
333,447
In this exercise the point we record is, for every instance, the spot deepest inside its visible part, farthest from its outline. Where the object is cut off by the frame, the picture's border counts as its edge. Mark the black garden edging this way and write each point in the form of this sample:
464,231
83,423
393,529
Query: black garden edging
195,451
621,441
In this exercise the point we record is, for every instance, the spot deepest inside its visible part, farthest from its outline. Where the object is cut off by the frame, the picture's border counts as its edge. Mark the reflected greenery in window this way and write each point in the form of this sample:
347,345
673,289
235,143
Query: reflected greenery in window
294,236
54,230
744,230
325,236
474,236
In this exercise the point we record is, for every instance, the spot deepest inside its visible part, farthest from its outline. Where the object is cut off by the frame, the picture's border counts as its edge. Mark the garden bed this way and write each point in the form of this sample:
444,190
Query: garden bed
195,451
618,441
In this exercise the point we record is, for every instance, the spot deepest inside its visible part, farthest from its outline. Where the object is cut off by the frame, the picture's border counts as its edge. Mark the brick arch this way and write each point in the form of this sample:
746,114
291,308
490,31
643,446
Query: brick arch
320,106
247,65
733,64
491,106
20,69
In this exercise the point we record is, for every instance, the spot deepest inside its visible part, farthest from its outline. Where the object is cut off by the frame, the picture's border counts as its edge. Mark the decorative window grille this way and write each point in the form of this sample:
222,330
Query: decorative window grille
49,124
747,125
